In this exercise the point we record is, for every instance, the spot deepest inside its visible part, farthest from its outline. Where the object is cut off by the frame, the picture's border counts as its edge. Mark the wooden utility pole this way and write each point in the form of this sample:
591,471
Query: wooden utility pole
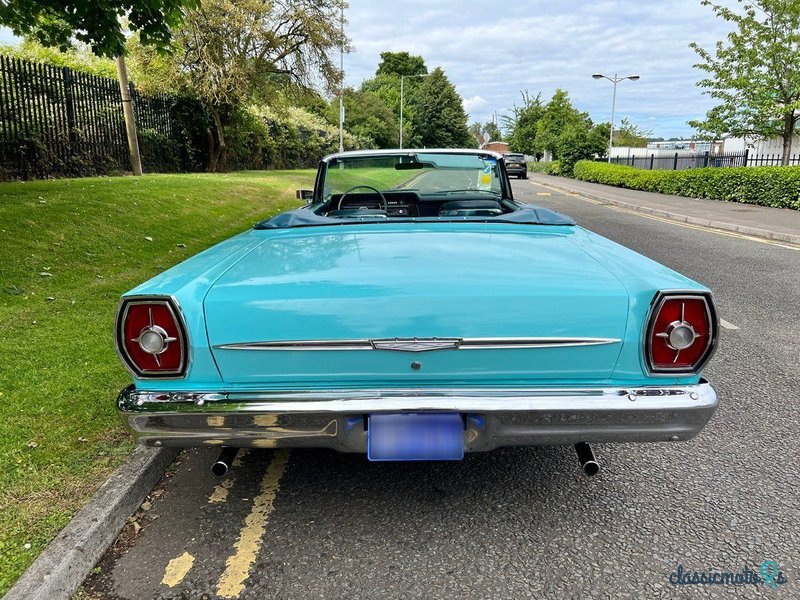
130,122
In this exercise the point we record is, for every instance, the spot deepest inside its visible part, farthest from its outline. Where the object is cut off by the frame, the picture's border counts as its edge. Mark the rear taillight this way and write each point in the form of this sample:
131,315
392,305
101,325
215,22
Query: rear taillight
681,332
151,338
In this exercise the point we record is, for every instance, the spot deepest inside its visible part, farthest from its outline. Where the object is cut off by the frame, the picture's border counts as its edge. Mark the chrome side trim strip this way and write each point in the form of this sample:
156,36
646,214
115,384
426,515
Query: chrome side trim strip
420,344
543,342
299,345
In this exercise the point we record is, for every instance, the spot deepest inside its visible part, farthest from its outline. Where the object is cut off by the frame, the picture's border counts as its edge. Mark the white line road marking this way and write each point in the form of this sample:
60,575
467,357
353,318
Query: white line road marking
238,565
177,569
727,325
544,194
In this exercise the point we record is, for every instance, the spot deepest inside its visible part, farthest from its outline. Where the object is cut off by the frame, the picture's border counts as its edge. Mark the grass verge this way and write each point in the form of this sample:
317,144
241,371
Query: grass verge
68,249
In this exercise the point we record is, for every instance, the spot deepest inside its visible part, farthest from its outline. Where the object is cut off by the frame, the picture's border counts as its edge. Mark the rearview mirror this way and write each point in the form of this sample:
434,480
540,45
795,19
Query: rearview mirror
412,166
306,195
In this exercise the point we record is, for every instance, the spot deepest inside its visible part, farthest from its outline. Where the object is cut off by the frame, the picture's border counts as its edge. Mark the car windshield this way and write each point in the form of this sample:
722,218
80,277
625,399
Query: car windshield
515,158
399,186
425,173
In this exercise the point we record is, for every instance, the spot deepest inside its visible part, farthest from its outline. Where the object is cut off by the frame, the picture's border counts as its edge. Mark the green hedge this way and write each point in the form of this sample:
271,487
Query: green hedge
263,138
38,156
767,186
160,153
549,168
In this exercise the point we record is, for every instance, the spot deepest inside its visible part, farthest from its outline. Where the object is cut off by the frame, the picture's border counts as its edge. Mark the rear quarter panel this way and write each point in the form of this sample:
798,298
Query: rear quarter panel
187,283
642,277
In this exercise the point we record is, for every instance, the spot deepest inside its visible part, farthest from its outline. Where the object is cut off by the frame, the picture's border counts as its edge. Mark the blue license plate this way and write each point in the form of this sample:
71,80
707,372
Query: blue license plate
414,436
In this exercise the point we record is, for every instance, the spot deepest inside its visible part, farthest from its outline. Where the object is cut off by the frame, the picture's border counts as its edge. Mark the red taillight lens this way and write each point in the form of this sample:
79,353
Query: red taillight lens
681,332
151,338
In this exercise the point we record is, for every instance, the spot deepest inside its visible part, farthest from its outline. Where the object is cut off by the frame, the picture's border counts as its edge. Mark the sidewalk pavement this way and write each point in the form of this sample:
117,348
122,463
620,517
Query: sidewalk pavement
778,224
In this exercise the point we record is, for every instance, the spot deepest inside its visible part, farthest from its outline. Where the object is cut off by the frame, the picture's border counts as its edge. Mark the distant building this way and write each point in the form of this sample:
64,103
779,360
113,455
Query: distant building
495,146
697,146
669,148
762,147
726,145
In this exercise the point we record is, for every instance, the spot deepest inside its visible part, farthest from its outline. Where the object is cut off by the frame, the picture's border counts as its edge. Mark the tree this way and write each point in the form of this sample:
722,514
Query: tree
484,132
476,131
522,123
386,85
557,117
401,63
232,52
152,71
368,117
439,118
55,23
580,141
755,74
79,57
628,134
492,131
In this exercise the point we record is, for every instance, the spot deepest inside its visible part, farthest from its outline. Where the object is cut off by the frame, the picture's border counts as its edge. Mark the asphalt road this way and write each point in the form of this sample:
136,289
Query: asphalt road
516,522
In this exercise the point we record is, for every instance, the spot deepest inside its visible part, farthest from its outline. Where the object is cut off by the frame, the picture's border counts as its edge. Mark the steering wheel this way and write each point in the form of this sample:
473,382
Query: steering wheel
368,187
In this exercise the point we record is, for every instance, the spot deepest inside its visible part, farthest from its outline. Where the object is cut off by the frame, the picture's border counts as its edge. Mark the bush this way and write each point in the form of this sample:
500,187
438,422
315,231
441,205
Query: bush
40,156
260,138
160,153
192,120
552,167
767,186
579,142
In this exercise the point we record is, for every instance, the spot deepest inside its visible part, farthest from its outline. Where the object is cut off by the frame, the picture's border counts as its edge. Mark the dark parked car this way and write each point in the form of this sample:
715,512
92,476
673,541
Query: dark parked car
516,165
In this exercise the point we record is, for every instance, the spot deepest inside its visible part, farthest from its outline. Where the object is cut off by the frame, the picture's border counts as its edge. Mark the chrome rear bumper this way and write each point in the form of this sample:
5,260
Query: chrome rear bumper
493,417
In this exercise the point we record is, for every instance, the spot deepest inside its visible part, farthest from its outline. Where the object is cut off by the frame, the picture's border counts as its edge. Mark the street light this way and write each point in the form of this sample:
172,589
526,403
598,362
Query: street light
341,85
402,78
615,80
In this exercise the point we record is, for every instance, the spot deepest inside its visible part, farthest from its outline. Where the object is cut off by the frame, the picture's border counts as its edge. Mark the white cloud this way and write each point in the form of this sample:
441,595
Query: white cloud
493,55
474,103
490,55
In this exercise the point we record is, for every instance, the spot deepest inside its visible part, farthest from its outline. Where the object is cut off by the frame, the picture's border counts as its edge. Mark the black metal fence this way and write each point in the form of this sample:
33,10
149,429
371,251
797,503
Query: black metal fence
696,160
55,121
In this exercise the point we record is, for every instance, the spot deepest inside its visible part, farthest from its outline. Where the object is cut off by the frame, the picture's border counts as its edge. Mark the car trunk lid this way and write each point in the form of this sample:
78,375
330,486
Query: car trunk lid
349,307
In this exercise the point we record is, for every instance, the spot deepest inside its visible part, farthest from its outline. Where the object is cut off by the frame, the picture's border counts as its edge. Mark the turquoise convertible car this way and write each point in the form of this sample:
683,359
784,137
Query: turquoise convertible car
413,310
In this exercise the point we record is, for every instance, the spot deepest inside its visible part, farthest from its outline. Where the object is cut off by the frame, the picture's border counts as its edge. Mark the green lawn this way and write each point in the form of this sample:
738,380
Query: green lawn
383,178
68,249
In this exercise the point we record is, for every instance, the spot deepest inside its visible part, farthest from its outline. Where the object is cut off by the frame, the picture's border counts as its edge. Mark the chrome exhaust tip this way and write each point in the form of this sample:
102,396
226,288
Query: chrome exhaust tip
223,463
589,464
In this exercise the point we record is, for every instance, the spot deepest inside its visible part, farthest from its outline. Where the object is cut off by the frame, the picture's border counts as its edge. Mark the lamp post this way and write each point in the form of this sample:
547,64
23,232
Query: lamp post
341,85
402,102
615,80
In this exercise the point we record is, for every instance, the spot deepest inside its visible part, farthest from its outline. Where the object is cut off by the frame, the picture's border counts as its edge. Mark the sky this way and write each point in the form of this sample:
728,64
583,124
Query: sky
493,50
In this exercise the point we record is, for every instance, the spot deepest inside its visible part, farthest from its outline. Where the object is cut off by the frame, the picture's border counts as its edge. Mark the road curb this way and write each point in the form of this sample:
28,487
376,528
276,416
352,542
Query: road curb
59,570
744,230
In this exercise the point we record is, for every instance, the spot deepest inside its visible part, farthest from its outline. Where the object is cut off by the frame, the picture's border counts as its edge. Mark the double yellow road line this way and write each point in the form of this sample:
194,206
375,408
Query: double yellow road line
251,537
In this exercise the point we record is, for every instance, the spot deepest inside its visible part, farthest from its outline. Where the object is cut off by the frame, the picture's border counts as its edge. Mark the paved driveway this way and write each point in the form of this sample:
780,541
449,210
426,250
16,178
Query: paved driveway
515,522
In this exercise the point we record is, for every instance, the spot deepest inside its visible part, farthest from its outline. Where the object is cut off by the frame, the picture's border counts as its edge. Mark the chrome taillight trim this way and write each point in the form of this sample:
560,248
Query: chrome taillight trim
711,344
175,311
